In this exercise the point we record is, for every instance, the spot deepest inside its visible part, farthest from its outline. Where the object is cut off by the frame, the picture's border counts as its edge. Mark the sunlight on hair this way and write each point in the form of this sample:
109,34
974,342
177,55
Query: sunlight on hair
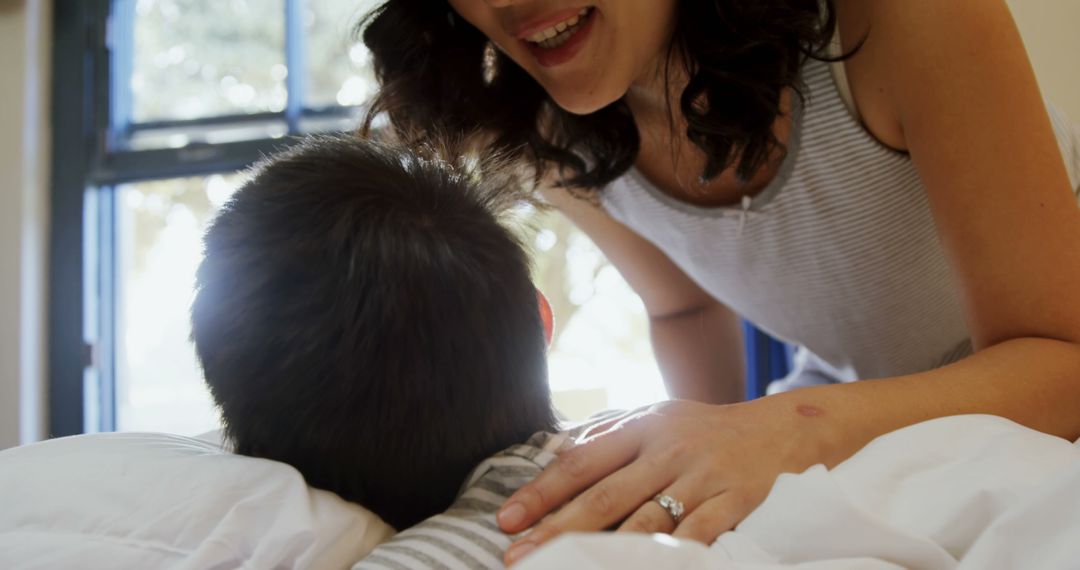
219,190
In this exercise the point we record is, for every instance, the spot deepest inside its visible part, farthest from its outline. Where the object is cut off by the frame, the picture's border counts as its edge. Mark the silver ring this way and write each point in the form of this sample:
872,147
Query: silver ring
673,506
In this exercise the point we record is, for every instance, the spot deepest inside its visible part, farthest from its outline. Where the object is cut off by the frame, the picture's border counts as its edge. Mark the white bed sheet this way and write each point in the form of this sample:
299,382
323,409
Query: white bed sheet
150,501
966,492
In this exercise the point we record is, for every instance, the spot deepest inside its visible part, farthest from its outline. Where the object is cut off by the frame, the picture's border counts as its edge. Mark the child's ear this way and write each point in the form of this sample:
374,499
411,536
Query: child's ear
546,316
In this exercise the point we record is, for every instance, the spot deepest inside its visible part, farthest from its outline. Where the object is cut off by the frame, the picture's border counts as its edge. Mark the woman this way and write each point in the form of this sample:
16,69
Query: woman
904,214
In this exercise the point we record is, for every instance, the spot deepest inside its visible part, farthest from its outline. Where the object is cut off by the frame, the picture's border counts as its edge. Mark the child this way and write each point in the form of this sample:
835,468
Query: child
365,315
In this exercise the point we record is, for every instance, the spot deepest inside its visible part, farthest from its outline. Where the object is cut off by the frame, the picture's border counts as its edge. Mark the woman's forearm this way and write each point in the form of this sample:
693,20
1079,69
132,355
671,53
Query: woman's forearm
701,354
1034,382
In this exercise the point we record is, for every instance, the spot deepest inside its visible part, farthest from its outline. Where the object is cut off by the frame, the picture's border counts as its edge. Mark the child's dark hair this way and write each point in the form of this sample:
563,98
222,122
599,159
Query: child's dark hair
364,314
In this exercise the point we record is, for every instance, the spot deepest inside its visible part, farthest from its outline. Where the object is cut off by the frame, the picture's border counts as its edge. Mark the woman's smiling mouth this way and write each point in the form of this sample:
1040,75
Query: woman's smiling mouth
556,42
557,34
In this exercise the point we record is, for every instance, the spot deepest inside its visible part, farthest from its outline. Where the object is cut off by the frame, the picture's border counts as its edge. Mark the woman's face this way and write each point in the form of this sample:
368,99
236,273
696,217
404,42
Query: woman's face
585,53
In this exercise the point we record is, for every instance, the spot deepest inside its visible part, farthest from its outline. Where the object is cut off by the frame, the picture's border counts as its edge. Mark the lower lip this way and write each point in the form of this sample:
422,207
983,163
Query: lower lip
567,51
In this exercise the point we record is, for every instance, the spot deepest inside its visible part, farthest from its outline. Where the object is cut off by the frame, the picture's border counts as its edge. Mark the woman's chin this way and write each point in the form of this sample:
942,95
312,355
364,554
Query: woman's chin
584,101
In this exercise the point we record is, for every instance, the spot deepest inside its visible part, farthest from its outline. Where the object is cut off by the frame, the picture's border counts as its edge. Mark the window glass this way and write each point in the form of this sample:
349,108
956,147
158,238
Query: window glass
339,68
159,231
601,356
204,58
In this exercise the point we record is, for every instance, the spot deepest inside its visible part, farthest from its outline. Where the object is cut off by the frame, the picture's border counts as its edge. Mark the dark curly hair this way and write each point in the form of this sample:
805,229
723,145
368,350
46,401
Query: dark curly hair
740,56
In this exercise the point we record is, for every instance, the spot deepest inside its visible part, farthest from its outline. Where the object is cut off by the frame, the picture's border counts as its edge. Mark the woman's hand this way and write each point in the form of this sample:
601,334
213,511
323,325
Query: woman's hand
719,461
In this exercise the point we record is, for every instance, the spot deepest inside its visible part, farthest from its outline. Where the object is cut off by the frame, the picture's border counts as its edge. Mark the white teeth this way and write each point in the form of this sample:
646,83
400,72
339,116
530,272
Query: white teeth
557,35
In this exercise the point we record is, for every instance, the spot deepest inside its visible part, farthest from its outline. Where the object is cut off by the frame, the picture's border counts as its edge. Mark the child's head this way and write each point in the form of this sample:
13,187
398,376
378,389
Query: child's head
364,315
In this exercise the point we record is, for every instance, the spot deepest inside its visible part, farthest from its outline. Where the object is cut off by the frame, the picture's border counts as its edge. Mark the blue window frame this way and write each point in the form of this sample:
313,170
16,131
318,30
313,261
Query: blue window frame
97,148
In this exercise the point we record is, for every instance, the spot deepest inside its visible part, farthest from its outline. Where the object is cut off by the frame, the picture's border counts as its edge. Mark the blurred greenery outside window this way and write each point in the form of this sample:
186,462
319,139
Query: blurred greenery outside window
200,74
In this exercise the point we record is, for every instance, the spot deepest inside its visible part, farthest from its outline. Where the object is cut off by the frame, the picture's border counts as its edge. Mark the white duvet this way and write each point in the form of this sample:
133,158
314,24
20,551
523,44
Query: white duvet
144,501
966,492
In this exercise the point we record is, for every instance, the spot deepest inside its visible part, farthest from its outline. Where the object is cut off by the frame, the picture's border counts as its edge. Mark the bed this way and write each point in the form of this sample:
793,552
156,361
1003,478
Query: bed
962,492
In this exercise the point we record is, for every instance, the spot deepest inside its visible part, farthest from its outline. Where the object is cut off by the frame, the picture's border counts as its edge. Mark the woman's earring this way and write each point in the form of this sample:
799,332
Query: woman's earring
490,63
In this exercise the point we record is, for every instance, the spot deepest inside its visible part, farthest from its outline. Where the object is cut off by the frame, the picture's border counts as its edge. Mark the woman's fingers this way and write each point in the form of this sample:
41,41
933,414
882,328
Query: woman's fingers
712,518
706,456
652,517
605,425
601,506
649,518
573,471
683,497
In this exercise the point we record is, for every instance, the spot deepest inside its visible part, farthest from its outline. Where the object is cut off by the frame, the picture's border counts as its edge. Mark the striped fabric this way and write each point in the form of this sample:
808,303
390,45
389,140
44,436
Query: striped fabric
466,535
838,254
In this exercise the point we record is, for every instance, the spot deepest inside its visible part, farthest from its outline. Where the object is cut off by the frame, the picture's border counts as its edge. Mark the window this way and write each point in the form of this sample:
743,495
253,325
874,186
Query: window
158,227
161,104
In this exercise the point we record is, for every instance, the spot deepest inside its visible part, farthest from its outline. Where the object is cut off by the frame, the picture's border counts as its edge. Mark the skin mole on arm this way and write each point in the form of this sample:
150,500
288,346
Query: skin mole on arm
809,411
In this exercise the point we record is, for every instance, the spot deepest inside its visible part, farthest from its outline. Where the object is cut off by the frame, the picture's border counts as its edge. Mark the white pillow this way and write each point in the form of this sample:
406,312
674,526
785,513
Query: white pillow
139,500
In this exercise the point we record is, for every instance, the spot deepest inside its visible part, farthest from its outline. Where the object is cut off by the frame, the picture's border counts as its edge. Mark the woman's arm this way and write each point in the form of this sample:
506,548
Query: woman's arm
701,354
697,340
954,87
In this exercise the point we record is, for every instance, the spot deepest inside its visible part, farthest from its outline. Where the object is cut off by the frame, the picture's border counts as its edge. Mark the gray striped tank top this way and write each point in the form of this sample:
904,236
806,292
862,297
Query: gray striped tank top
839,254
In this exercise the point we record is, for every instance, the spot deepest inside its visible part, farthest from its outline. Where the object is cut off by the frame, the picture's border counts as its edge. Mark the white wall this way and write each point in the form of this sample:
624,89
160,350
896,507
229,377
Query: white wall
1051,30
24,103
